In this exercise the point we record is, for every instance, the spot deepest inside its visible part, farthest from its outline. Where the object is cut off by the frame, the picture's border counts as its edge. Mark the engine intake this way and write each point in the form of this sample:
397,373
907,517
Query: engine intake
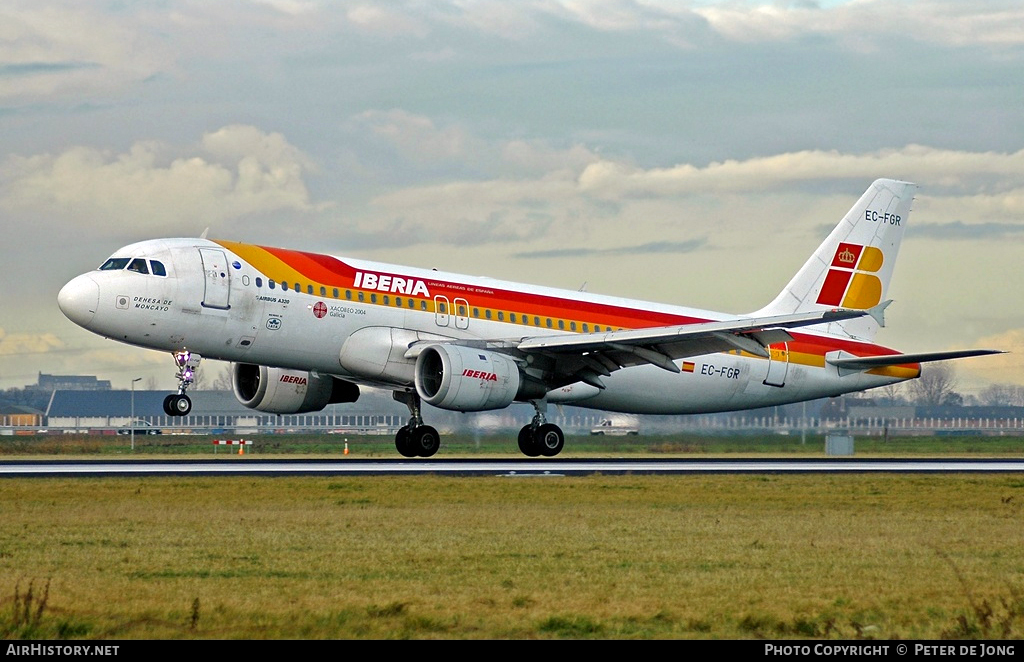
283,391
466,379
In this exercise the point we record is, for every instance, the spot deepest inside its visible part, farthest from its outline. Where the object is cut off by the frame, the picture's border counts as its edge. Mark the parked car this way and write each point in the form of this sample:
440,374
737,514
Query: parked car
610,427
141,427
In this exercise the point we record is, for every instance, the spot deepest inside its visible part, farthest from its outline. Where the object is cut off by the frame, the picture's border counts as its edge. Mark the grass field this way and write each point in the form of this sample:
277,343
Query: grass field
871,556
505,445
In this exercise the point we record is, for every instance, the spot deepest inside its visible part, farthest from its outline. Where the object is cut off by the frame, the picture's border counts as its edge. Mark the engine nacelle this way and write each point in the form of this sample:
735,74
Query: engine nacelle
466,379
282,391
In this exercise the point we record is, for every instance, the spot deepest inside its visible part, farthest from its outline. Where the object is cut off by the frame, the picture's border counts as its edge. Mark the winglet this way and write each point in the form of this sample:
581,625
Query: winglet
205,232
878,312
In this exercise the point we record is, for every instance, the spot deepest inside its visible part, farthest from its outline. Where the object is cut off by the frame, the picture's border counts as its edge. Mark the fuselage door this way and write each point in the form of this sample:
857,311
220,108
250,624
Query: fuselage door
217,277
461,314
778,365
441,310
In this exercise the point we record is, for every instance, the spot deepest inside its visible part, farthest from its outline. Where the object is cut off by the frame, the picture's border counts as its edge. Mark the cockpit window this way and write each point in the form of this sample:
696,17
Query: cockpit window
158,268
138,265
115,264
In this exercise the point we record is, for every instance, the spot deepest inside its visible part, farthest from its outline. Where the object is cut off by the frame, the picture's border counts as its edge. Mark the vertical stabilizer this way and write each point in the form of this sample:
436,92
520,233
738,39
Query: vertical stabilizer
853,266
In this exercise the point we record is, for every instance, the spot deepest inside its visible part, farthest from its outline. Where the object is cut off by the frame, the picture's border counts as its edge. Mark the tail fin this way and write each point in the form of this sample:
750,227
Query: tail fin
852,267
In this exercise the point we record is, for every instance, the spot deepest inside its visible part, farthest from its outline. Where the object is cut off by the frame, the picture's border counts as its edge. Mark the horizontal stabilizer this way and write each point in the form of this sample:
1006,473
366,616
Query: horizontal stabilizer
870,362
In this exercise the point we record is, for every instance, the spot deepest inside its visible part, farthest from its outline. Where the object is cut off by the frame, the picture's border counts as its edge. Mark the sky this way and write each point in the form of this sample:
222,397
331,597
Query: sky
691,153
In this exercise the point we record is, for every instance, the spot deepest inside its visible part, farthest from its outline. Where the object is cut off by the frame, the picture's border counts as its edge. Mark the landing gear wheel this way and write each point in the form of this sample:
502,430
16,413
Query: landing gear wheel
549,439
528,445
177,405
403,442
425,440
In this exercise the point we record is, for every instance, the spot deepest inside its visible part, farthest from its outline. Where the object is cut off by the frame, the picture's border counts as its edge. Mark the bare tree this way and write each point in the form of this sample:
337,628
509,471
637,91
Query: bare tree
936,386
223,380
892,394
1002,395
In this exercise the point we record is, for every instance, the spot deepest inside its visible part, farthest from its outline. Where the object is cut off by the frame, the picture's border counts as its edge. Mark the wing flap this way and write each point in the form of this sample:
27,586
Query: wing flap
690,339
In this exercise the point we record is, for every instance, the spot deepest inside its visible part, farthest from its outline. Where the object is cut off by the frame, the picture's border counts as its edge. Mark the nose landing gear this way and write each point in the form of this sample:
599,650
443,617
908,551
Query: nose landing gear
179,404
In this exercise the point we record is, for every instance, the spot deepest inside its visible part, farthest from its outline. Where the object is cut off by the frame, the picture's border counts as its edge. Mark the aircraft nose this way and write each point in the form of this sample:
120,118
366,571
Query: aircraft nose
79,299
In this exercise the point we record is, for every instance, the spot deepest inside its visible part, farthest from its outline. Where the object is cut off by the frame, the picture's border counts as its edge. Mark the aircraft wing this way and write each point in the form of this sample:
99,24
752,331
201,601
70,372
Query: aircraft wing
588,356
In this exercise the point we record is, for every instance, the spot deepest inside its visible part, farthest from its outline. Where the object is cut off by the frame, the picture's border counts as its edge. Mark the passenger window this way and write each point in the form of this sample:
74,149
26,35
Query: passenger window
572,326
585,329
259,282
423,304
476,312
398,301
549,322
348,294
138,265
323,292
270,284
361,297
462,311
284,285
115,264
373,298
501,316
387,300
309,289
158,268
335,293
536,321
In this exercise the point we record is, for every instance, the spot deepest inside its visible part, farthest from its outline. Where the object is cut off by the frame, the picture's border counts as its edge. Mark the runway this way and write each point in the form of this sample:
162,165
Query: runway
511,468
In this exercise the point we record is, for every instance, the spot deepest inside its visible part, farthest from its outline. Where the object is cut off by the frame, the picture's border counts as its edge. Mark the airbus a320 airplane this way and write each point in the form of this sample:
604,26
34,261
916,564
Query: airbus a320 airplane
304,330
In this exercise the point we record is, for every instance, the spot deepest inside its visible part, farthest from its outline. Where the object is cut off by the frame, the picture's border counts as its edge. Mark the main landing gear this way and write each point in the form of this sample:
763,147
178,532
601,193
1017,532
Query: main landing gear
540,437
415,439
179,404
418,440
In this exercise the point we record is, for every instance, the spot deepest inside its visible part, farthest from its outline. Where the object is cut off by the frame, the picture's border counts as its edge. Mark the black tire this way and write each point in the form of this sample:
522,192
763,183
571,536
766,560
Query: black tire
425,440
180,405
167,405
549,440
527,442
403,442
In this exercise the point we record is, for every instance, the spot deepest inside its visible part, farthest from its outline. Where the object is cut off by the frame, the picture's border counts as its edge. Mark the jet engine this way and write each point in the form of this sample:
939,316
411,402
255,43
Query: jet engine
282,391
466,379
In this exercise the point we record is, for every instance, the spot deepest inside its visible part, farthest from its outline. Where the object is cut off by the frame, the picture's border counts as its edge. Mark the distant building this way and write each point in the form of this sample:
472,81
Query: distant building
213,410
20,416
51,383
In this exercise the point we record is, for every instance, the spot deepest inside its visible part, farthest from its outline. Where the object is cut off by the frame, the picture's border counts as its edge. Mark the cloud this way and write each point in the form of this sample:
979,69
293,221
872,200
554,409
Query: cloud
536,195
948,22
234,172
18,344
934,166
657,247
1001,368
69,49
960,231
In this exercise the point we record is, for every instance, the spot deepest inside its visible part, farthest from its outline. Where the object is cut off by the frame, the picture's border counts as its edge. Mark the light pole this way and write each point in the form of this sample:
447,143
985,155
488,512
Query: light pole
133,412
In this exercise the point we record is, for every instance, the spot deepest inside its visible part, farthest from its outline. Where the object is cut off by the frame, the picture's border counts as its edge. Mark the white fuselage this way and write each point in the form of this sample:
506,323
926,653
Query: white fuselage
239,303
